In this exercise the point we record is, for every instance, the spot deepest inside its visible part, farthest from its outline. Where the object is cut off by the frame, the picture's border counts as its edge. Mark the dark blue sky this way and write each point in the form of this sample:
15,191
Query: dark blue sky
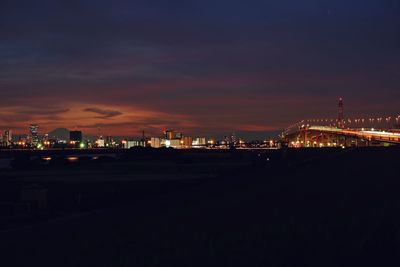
198,66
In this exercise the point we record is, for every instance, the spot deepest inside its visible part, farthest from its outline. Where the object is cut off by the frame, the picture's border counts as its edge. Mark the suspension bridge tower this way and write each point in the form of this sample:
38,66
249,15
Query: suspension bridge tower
340,114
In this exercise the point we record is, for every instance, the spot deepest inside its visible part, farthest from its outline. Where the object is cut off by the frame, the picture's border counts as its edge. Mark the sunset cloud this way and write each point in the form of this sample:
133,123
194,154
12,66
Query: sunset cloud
213,68
103,112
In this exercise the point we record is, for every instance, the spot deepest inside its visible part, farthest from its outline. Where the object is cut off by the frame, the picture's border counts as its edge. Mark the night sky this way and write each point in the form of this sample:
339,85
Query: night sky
202,67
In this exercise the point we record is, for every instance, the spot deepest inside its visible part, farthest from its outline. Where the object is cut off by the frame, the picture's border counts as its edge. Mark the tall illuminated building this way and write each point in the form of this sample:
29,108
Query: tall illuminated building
169,134
7,138
233,140
34,134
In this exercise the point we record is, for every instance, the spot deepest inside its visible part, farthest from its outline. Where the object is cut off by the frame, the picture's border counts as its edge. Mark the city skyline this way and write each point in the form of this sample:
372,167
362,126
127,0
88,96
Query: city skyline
199,133
207,69
391,121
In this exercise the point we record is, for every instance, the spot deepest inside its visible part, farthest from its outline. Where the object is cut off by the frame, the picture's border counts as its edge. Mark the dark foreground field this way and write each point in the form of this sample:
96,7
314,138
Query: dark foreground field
280,208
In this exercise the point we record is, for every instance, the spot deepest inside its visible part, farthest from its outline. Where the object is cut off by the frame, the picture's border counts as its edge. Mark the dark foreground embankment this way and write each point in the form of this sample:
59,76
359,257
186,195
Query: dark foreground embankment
302,208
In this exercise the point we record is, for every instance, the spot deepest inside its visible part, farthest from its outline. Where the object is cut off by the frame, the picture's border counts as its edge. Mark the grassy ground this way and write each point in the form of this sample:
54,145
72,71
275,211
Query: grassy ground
313,208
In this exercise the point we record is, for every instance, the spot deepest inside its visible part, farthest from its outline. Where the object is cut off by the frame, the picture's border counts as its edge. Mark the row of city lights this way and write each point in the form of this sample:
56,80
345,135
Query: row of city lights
315,144
348,121
359,120
45,144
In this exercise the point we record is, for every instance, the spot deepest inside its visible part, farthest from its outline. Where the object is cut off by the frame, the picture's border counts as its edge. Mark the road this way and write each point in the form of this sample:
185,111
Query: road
371,135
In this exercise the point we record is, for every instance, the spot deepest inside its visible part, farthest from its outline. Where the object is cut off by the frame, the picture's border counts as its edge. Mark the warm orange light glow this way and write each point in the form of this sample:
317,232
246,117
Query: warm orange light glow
72,159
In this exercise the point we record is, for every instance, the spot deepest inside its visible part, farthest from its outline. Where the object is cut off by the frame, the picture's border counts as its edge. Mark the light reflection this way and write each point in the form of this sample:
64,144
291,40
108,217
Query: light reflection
72,159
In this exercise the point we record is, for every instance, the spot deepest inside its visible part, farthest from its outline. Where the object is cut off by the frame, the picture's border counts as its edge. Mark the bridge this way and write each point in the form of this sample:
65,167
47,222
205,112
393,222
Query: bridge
310,135
343,132
370,135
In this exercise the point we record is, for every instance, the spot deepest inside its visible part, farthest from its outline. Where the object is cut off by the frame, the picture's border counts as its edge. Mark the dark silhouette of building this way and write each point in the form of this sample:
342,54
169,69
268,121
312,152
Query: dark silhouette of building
75,136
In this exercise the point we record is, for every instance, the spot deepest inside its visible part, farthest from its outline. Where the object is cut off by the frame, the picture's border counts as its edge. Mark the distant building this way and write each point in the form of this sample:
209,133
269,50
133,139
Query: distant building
155,142
233,140
163,142
7,138
187,141
172,138
174,143
110,142
75,136
169,134
134,143
226,142
127,144
34,134
199,142
178,135
100,142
